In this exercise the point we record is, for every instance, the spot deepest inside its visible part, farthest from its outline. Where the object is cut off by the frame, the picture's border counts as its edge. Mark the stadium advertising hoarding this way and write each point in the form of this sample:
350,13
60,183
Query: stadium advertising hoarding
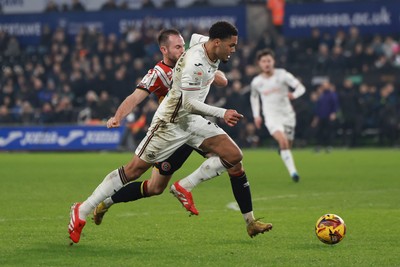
381,17
28,27
62,138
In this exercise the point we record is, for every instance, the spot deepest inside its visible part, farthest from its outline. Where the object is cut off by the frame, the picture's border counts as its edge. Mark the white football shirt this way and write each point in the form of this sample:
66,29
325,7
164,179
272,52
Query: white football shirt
273,92
193,74
197,39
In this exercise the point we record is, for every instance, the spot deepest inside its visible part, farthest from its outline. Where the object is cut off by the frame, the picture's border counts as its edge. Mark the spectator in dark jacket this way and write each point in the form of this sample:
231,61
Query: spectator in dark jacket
325,116
351,120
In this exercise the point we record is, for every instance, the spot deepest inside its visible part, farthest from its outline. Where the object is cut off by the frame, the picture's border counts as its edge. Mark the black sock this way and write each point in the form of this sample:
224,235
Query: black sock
241,191
130,192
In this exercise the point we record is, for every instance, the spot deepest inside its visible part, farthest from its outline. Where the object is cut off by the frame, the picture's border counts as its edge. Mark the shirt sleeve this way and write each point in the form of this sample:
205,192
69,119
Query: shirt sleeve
254,101
193,105
150,82
191,93
294,83
197,39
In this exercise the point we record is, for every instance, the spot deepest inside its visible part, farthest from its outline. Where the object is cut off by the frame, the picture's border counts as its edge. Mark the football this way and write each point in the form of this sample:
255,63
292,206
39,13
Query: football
330,229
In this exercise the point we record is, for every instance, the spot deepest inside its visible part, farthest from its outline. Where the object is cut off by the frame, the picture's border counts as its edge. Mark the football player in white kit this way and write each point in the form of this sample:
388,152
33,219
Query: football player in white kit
179,120
272,86
157,81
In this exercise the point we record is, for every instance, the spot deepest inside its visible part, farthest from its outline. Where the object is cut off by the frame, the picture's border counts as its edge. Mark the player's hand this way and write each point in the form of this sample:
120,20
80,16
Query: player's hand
290,96
257,122
113,123
231,117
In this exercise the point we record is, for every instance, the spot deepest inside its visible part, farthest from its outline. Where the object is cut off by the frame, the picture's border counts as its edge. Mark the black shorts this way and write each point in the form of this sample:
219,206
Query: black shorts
176,160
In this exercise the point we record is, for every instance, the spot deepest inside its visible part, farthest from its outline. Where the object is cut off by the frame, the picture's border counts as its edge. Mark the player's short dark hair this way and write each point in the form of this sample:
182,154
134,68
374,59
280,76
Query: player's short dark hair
222,30
164,34
265,52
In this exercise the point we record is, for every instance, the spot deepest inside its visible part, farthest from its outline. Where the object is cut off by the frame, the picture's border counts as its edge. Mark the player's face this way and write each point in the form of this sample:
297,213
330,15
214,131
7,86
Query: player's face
175,48
266,63
226,48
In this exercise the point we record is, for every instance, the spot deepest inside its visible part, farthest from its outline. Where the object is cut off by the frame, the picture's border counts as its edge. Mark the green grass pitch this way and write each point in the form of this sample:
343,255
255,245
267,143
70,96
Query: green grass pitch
362,186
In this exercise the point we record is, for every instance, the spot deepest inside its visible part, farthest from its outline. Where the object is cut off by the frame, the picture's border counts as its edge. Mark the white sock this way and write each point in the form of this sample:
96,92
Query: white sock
111,184
210,168
248,217
287,158
108,202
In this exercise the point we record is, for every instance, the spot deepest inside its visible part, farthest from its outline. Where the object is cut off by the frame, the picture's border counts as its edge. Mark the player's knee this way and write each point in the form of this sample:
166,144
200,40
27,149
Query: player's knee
235,157
235,170
239,155
238,158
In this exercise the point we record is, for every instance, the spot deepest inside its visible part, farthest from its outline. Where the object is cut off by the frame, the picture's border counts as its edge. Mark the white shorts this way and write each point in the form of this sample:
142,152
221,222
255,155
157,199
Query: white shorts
163,138
284,124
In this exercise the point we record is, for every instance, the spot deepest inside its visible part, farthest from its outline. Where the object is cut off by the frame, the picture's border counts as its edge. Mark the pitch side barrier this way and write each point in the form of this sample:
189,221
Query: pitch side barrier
60,138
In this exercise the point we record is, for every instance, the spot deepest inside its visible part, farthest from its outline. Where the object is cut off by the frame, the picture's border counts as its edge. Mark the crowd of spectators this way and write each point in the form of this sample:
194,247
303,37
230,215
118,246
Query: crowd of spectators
83,79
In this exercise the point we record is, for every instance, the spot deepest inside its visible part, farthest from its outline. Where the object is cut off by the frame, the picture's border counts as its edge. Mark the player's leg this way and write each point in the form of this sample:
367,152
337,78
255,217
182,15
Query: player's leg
207,136
154,147
242,193
282,130
229,157
113,181
181,189
230,154
286,154
160,177
209,169
131,192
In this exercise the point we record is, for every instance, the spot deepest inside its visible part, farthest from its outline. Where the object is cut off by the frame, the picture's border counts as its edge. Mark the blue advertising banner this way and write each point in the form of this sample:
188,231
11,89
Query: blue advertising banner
381,17
62,138
28,27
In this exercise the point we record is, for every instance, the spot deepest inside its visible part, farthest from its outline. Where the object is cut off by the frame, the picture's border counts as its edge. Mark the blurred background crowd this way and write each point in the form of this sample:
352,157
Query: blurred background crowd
83,79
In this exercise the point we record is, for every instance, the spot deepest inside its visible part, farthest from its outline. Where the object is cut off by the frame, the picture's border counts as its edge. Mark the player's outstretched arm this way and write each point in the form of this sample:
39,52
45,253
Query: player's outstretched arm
126,107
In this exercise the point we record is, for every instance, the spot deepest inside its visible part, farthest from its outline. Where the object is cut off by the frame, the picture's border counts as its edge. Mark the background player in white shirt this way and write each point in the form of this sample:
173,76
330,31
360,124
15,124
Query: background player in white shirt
179,120
272,86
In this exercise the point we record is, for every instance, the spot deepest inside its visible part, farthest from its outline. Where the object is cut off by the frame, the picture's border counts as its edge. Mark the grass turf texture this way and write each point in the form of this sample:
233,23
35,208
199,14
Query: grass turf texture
361,186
